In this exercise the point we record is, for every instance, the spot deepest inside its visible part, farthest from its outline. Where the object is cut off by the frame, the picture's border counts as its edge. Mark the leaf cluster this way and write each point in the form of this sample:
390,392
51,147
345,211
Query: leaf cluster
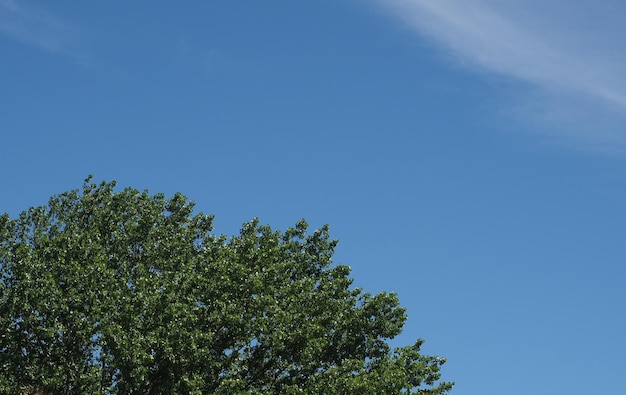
109,292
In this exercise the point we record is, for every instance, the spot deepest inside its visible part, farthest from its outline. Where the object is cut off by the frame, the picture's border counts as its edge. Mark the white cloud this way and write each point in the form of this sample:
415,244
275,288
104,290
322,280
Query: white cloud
573,52
37,27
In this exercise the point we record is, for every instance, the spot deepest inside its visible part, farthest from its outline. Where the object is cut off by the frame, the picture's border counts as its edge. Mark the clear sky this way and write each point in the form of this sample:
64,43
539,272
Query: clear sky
470,156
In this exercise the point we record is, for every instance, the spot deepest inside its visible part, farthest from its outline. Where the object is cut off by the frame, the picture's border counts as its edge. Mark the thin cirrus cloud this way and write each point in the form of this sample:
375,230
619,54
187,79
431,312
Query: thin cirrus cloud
37,27
571,53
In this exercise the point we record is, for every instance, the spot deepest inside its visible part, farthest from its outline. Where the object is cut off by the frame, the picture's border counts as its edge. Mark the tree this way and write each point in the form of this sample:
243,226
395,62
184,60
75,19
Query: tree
110,292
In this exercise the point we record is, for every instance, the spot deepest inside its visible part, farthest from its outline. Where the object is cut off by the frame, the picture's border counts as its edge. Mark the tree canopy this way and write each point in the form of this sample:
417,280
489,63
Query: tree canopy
124,292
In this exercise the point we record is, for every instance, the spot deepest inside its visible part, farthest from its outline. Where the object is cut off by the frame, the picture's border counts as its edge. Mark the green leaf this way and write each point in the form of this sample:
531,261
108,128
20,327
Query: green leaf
124,292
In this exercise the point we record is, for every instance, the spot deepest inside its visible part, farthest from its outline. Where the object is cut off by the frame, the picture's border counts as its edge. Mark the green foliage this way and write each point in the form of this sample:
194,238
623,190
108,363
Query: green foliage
107,292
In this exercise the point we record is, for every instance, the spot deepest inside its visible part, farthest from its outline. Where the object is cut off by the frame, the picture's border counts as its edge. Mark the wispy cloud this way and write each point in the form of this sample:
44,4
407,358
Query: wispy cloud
37,27
573,52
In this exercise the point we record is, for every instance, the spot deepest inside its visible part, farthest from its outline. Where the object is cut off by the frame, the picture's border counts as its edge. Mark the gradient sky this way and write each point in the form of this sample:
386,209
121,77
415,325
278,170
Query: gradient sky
470,156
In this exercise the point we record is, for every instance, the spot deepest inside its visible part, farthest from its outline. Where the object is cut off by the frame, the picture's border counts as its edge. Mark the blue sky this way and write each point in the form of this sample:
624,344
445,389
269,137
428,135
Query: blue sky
469,156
